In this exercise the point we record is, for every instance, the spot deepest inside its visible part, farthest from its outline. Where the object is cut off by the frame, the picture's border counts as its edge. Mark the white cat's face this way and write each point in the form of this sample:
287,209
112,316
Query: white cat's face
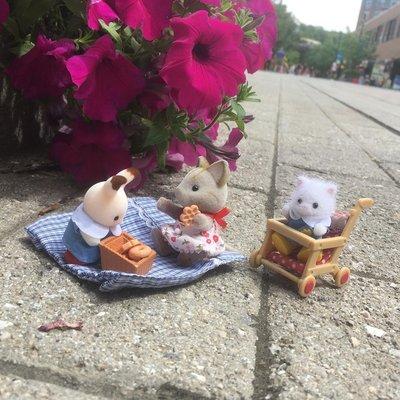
313,198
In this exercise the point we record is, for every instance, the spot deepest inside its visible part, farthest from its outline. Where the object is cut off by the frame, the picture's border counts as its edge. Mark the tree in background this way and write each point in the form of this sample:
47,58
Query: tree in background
297,39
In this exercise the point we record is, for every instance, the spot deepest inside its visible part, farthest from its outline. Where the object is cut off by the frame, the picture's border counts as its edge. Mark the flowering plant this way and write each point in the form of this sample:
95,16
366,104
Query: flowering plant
137,82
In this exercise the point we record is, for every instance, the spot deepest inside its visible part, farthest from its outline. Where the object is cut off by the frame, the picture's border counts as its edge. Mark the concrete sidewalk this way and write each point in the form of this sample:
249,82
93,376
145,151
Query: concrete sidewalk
238,333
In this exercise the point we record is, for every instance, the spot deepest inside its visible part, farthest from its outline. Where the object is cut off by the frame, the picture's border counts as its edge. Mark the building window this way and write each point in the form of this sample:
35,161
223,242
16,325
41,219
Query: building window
398,30
390,30
378,34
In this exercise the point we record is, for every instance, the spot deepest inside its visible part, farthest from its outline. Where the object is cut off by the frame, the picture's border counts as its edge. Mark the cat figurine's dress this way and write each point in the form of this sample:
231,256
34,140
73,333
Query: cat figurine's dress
209,242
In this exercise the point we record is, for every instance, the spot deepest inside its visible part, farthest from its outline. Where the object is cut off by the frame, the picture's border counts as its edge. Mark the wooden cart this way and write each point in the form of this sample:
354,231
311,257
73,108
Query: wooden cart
304,274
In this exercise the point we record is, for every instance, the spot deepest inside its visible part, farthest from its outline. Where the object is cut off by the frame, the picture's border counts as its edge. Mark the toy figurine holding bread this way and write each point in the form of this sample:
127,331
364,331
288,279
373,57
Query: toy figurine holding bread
100,215
199,212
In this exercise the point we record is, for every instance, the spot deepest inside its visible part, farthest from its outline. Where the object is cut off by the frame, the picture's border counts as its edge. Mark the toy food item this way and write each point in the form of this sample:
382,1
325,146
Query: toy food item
138,252
126,254
100,215
199,214
188,215
309,211
128,245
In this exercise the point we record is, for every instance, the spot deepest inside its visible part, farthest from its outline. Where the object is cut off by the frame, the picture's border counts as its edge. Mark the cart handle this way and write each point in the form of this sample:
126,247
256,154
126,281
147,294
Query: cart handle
365,203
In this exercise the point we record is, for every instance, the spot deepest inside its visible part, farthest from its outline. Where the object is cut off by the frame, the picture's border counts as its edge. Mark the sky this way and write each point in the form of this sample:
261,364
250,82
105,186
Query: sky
335,15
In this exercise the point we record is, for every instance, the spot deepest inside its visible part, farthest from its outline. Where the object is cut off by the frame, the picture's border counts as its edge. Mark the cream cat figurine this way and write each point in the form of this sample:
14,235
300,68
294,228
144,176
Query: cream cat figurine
199,211
309,210
311,205
101,213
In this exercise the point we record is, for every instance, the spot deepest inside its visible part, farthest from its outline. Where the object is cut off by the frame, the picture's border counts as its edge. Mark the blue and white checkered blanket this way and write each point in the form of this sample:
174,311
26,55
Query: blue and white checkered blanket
142,216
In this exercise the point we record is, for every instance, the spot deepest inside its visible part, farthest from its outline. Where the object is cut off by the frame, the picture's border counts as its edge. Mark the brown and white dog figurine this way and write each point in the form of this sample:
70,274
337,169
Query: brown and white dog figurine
101,214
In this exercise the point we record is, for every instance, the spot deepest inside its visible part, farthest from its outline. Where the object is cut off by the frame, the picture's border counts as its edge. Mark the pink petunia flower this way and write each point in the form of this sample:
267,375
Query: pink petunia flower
257,53
92,151
150,16
205,62
41,73
4,11
99,9
180,153
228,151
107,81
155,96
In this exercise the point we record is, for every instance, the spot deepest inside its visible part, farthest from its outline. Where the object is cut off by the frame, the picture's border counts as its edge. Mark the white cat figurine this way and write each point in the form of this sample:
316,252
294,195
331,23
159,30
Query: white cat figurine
311,205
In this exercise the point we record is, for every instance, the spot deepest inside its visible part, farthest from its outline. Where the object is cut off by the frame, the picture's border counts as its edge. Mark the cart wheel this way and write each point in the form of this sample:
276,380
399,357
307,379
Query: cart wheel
254,259
342,277
306,286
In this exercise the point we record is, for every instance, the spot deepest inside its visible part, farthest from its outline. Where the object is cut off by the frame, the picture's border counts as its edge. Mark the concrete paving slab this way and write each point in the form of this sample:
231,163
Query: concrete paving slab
263,127
393,169
380,143
316,143
258,158
15,388
387,112
22,196
321,346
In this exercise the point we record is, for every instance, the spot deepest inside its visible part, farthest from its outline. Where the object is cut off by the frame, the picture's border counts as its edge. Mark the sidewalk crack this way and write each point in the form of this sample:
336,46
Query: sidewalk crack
347,133
262,383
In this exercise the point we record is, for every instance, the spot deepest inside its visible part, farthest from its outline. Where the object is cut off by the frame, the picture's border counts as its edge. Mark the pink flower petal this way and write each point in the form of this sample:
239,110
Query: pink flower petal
4,11
107,81
41,73
150,16
205,62
99,9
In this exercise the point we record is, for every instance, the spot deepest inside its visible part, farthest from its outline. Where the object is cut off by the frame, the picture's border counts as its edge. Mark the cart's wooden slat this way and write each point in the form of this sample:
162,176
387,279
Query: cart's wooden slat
280,270
322,269
301,238
331,243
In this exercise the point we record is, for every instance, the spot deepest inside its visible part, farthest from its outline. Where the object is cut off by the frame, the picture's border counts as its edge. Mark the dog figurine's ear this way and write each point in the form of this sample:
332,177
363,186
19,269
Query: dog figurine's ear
203,163
220,172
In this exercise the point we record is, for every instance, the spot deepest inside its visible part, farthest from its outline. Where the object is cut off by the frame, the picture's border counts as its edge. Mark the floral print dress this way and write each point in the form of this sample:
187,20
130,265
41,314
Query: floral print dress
209,242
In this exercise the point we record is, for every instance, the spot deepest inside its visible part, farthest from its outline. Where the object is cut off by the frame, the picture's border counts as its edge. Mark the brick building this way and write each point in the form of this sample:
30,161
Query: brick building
385,33
371,8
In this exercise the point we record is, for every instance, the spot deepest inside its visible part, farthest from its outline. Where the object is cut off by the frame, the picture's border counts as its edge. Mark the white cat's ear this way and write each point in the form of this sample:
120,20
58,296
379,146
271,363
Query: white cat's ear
220,172
202,163
332,189
301,180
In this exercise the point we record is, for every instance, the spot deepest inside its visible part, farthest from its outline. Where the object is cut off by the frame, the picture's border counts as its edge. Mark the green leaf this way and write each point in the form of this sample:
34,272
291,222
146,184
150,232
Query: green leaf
239,110
240,124
111,29
77,7
156,135
22,49
180,135
161,149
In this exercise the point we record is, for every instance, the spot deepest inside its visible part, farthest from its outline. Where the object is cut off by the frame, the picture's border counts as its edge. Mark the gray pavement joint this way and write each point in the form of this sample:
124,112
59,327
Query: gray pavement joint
347,133
377,121
95,386
262,384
